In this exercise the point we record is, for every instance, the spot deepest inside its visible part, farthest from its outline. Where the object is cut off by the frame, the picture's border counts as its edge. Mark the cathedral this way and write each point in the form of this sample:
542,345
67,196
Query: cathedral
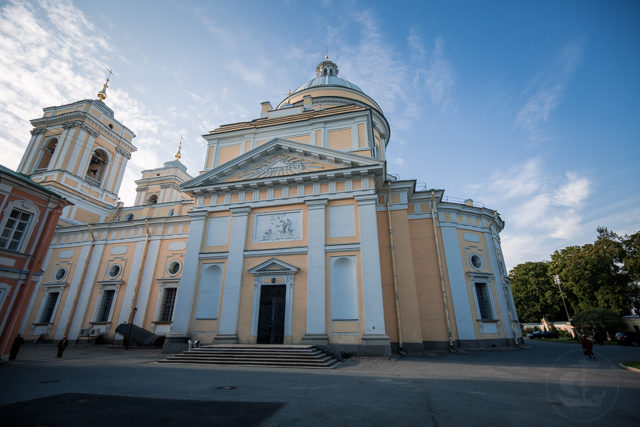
293,233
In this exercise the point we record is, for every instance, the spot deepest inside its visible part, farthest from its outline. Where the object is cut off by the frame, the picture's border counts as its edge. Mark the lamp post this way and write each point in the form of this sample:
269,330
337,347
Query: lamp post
556,279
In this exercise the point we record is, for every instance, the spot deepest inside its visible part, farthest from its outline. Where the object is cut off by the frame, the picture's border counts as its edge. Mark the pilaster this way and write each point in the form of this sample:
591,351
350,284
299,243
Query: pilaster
176,340
371,277
228,331
316,281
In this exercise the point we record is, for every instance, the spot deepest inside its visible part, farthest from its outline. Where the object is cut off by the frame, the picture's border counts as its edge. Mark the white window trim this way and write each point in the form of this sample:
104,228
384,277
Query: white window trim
106,287
23,205
163,287
485,279
49,288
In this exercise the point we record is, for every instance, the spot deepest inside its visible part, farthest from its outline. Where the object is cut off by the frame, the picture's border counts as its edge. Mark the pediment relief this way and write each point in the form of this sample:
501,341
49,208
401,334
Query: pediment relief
280,158
281,164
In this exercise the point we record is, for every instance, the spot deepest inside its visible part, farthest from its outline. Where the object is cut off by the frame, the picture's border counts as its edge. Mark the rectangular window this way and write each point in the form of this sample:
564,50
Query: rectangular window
14,229
168,301
104,309
484,301
49,307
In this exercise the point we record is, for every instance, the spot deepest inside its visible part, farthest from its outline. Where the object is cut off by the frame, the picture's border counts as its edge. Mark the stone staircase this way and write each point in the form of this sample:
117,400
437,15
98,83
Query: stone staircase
281,356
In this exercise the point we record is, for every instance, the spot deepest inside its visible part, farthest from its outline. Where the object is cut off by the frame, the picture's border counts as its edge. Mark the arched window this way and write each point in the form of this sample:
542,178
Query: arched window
47,152
344,288
129,217
209,292
153,199
171,212
331,72
97,165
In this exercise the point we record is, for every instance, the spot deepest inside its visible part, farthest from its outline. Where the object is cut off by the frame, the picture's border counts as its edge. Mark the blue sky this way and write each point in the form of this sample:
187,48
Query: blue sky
529,108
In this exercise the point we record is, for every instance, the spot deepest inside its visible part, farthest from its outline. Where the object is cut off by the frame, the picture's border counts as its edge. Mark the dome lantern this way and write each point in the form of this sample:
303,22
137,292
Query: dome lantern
327,68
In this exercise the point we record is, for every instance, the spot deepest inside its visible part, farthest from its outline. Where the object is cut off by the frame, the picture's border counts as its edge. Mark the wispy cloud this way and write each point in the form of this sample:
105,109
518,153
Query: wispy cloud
543,210
546,91
53,55
439,77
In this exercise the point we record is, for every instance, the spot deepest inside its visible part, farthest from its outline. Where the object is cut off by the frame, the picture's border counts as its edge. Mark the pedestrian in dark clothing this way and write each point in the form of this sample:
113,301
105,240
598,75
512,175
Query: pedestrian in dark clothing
62,345
15,347
587,346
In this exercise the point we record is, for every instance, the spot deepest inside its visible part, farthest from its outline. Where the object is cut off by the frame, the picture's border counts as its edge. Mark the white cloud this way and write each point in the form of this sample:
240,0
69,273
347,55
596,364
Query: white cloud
53,55
439,76
543,211
573,192
547,90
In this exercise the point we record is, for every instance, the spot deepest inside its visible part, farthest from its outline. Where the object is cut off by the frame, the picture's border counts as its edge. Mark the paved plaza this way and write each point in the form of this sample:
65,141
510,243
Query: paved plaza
546,384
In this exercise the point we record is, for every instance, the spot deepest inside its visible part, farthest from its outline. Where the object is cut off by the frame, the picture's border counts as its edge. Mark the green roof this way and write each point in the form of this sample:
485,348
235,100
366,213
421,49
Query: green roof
24,178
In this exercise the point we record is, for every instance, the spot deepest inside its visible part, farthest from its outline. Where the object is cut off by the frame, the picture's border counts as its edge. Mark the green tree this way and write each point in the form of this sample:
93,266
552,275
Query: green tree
534,292
599,320
594,275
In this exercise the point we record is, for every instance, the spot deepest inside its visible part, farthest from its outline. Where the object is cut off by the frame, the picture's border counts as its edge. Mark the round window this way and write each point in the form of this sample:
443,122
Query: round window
476,261
174,268
114,271
60,273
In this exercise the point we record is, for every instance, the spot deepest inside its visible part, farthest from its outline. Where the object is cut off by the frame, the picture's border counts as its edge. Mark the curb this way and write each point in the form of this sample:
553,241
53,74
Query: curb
629,368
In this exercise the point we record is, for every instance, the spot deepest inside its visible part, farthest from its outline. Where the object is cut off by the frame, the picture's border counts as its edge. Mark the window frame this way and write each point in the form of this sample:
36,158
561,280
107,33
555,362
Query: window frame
162,301
45,303
25,206
486,284
100,300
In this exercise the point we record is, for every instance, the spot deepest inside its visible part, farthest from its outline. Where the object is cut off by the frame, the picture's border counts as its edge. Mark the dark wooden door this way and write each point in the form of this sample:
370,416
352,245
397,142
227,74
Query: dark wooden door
271,317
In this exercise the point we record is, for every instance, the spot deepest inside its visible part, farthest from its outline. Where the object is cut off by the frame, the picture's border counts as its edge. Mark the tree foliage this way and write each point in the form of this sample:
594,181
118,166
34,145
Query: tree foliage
599,319
534,292
603,274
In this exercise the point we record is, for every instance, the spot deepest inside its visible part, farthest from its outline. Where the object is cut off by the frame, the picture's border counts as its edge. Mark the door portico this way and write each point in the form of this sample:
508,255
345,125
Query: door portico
272,272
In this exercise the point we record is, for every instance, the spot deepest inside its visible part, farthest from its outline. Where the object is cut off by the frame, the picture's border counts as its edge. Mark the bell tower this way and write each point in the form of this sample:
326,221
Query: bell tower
80,150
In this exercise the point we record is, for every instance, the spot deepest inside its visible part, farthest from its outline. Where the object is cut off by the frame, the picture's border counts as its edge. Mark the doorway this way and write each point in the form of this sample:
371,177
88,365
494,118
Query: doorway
271,315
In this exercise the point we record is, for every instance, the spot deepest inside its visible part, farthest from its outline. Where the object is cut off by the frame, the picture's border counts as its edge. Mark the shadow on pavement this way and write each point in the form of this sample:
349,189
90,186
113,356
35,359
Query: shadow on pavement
78,409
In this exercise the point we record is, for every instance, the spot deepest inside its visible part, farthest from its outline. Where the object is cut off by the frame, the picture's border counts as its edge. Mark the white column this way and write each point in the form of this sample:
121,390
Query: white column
31,151
113,170
74,288
147,280
77,145
85,290
371,276
86,155
316,281
130,285
121,171
68,128
228,331
184,303
65,146
457,281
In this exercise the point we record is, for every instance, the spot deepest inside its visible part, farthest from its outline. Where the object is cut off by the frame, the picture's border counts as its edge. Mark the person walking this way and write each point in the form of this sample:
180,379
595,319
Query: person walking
15,347
587,346
64,342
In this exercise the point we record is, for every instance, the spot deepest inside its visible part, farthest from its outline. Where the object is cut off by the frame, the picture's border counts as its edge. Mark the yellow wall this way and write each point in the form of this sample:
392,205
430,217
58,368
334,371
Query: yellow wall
340,139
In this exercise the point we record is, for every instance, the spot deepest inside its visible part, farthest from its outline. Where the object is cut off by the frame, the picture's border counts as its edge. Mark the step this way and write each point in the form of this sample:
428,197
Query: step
303,356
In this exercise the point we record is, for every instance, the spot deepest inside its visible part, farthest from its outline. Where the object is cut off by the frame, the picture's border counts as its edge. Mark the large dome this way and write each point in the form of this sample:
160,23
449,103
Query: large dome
327,81
329,88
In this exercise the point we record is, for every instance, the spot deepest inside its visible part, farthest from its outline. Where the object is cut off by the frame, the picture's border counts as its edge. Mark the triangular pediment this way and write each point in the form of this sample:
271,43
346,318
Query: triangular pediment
280,159
272,266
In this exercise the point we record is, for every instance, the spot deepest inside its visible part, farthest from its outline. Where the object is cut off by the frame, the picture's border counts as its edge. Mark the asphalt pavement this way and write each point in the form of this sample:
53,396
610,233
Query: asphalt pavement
545,384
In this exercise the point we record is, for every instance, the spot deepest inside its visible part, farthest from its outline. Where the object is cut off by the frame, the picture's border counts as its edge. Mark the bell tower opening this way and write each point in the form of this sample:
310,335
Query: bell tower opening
47,153
97,167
